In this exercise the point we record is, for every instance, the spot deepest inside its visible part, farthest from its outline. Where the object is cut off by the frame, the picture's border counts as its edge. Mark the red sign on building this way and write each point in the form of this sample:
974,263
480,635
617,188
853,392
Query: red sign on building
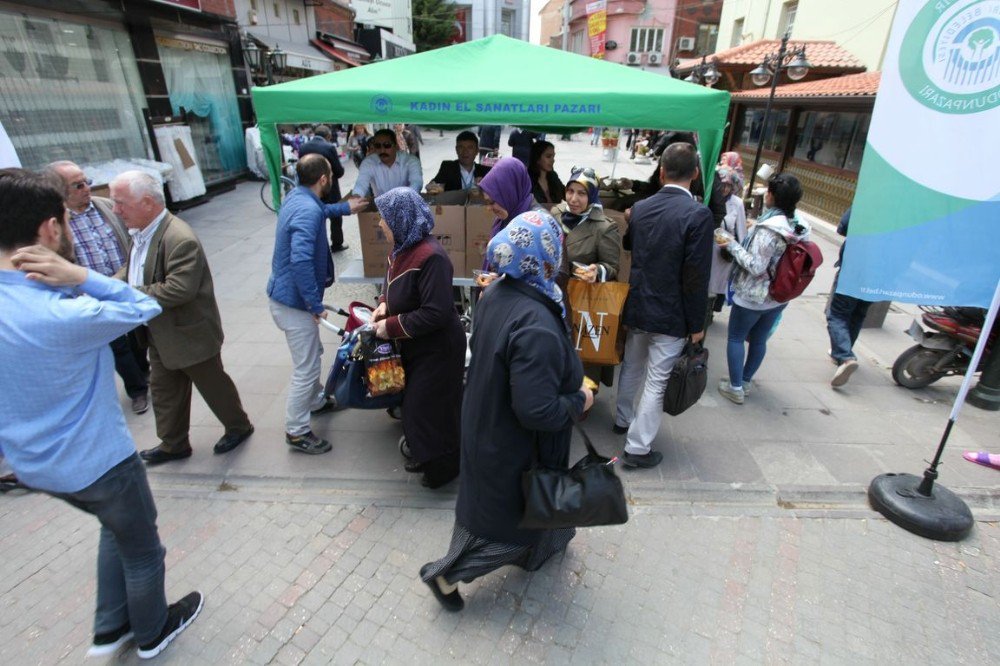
461,32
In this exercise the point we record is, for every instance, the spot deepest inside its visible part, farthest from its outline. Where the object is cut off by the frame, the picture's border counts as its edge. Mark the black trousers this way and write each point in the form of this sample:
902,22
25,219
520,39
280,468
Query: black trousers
336,232
131,364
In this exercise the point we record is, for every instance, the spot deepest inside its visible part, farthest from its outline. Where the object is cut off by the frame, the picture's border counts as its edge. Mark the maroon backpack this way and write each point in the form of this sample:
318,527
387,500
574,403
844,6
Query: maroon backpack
795,270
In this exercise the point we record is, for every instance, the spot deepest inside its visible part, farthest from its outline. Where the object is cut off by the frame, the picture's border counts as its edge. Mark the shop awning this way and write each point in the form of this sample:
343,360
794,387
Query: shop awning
334,53
300,56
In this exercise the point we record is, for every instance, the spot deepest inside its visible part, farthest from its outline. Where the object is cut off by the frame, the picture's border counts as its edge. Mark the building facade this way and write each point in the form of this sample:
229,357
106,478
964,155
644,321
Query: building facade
858,25
696,28
639,34
385,27
88,81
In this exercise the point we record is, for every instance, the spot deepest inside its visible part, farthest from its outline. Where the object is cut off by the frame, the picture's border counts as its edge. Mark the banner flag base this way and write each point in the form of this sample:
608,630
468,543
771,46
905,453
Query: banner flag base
940,515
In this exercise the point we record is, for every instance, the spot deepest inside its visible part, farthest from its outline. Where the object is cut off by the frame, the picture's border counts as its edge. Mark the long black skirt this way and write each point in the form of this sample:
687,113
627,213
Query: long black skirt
470,556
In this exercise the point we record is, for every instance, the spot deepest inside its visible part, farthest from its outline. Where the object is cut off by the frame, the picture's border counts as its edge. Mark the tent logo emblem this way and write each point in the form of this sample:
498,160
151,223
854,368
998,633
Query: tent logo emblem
950,58
381,104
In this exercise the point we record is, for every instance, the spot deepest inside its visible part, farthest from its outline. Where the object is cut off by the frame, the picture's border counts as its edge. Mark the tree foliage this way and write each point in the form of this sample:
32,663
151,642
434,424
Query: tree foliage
433,24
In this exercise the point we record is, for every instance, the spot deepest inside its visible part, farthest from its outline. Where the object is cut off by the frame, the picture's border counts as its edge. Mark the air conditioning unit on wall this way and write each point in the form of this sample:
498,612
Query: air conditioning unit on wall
633,58
685,44
655,58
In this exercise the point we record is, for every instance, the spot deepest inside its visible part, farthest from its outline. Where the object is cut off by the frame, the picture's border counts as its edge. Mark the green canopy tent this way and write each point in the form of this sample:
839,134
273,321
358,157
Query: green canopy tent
495,81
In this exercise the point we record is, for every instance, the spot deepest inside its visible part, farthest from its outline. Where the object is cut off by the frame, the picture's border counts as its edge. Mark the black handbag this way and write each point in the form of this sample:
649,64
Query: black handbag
687,380
586,495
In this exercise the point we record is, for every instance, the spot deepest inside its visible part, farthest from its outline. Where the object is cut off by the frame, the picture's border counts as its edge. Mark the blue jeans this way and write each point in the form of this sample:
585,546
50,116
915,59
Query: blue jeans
753,327
131,365
844,317
129,555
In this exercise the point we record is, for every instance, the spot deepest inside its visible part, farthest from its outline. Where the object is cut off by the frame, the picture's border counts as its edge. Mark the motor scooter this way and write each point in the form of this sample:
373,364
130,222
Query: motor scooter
946,349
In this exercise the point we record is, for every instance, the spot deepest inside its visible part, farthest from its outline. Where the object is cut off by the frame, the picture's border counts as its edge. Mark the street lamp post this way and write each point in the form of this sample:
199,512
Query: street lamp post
796,67
705,73
271,60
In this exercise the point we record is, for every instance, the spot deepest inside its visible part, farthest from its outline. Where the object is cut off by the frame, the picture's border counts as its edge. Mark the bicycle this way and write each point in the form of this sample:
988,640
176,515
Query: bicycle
287,184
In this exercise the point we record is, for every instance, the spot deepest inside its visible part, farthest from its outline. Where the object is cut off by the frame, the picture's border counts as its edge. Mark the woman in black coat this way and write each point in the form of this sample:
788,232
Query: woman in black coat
523,392
545,184
417,310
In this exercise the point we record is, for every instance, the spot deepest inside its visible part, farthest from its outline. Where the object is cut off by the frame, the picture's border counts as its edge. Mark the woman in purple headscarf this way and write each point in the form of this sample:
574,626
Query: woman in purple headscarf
507,191
416,309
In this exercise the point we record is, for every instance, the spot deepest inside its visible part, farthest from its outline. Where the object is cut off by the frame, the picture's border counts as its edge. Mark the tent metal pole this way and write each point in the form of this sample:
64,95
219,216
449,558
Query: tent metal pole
614,160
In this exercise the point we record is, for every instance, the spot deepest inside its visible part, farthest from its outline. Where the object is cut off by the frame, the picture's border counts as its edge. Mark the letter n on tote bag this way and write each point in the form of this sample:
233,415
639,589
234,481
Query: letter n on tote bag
597,315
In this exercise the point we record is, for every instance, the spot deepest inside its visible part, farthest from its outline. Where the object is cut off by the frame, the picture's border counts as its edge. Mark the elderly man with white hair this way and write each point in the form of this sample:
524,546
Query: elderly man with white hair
168,263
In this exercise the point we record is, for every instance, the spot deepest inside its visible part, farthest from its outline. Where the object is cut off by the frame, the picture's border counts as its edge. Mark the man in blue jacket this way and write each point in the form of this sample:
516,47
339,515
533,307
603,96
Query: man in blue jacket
670,236
301,268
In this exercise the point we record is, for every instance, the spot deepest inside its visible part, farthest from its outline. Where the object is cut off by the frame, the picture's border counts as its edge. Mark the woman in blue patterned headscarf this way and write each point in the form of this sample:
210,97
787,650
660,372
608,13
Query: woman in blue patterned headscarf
406,215
523,392
417,310
529,249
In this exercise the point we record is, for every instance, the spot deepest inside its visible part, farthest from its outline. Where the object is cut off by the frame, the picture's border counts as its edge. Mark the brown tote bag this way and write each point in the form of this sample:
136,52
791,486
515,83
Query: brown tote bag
597,316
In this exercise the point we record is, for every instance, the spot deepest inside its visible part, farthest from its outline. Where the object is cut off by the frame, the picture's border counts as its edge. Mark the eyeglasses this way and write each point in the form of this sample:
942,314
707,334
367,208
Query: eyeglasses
80,184
586,171
381,145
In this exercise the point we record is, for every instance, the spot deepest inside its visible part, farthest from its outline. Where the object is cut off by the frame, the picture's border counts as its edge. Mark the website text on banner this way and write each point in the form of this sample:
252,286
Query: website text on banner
597,26
926,214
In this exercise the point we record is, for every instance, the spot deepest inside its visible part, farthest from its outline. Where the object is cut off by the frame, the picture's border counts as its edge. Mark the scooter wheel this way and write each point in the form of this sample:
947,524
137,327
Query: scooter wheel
914,368
404,448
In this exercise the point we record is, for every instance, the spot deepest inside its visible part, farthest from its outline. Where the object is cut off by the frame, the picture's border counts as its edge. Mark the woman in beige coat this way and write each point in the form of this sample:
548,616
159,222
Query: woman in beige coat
592,245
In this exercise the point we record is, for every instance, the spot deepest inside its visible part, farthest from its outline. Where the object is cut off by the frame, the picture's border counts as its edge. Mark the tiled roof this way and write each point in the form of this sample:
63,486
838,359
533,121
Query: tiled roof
851,85
820,54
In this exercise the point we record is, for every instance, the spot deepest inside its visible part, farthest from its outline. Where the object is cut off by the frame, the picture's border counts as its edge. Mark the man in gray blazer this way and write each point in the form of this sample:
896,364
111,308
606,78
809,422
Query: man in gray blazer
102,244
168,263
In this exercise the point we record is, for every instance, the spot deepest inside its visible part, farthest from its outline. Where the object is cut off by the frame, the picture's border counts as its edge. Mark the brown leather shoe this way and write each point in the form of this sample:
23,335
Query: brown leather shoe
158,455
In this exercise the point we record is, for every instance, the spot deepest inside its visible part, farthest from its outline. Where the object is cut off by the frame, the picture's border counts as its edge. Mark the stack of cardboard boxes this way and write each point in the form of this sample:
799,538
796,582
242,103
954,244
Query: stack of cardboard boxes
462,225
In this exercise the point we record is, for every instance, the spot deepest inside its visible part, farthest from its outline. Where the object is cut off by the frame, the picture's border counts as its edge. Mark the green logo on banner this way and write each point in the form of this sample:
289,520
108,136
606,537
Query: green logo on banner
950,58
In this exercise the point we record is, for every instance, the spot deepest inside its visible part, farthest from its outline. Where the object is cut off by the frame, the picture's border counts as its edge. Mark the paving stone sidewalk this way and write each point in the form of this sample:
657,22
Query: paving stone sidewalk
298,582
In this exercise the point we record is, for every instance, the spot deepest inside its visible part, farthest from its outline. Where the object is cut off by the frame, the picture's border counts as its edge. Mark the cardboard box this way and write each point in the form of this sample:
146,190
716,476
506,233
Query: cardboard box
625,259
375,246
458,263
478,224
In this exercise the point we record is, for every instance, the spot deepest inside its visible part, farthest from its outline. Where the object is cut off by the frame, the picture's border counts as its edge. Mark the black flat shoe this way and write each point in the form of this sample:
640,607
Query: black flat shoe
414,467
440,471
451,602
158,455
619,430
230,441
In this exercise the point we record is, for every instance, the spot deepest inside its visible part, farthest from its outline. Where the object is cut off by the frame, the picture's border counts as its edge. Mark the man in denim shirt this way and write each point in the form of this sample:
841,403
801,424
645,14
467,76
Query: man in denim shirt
61,427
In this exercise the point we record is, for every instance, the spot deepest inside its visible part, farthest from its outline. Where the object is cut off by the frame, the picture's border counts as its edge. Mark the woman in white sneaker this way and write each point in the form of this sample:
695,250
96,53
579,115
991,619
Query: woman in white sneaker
754,313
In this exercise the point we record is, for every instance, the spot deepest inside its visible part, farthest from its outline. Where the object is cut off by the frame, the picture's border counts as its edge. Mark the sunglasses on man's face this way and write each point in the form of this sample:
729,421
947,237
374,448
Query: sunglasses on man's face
380,146
80,184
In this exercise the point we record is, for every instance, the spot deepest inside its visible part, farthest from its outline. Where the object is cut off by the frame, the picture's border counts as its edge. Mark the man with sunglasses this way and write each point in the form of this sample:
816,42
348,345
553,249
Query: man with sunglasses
102,244
386,168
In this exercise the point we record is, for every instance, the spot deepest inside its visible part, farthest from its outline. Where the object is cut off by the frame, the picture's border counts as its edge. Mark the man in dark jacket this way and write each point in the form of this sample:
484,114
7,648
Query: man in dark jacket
321,144
463,173
670,236
521,141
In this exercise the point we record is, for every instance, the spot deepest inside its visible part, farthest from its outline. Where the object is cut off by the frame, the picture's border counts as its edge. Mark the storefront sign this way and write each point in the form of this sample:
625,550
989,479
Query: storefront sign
185,45
926,214
597,26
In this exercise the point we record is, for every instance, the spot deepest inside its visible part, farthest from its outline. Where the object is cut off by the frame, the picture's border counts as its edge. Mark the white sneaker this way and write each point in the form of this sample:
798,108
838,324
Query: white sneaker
730,393
844,372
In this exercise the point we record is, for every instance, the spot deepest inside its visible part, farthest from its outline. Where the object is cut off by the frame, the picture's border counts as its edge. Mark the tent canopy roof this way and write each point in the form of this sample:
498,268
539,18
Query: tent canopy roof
496,81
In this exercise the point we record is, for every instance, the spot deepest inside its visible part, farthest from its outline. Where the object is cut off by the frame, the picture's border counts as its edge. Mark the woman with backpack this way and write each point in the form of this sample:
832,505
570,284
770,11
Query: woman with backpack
755,313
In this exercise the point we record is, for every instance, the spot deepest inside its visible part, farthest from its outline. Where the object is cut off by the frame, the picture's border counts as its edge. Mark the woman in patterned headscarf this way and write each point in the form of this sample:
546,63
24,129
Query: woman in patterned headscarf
523,392
416,309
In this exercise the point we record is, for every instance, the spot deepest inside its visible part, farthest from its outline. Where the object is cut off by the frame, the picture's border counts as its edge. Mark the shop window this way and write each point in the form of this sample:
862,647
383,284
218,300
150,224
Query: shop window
69,91
200,81
507,22
646,40
832,139
707,36
775,134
